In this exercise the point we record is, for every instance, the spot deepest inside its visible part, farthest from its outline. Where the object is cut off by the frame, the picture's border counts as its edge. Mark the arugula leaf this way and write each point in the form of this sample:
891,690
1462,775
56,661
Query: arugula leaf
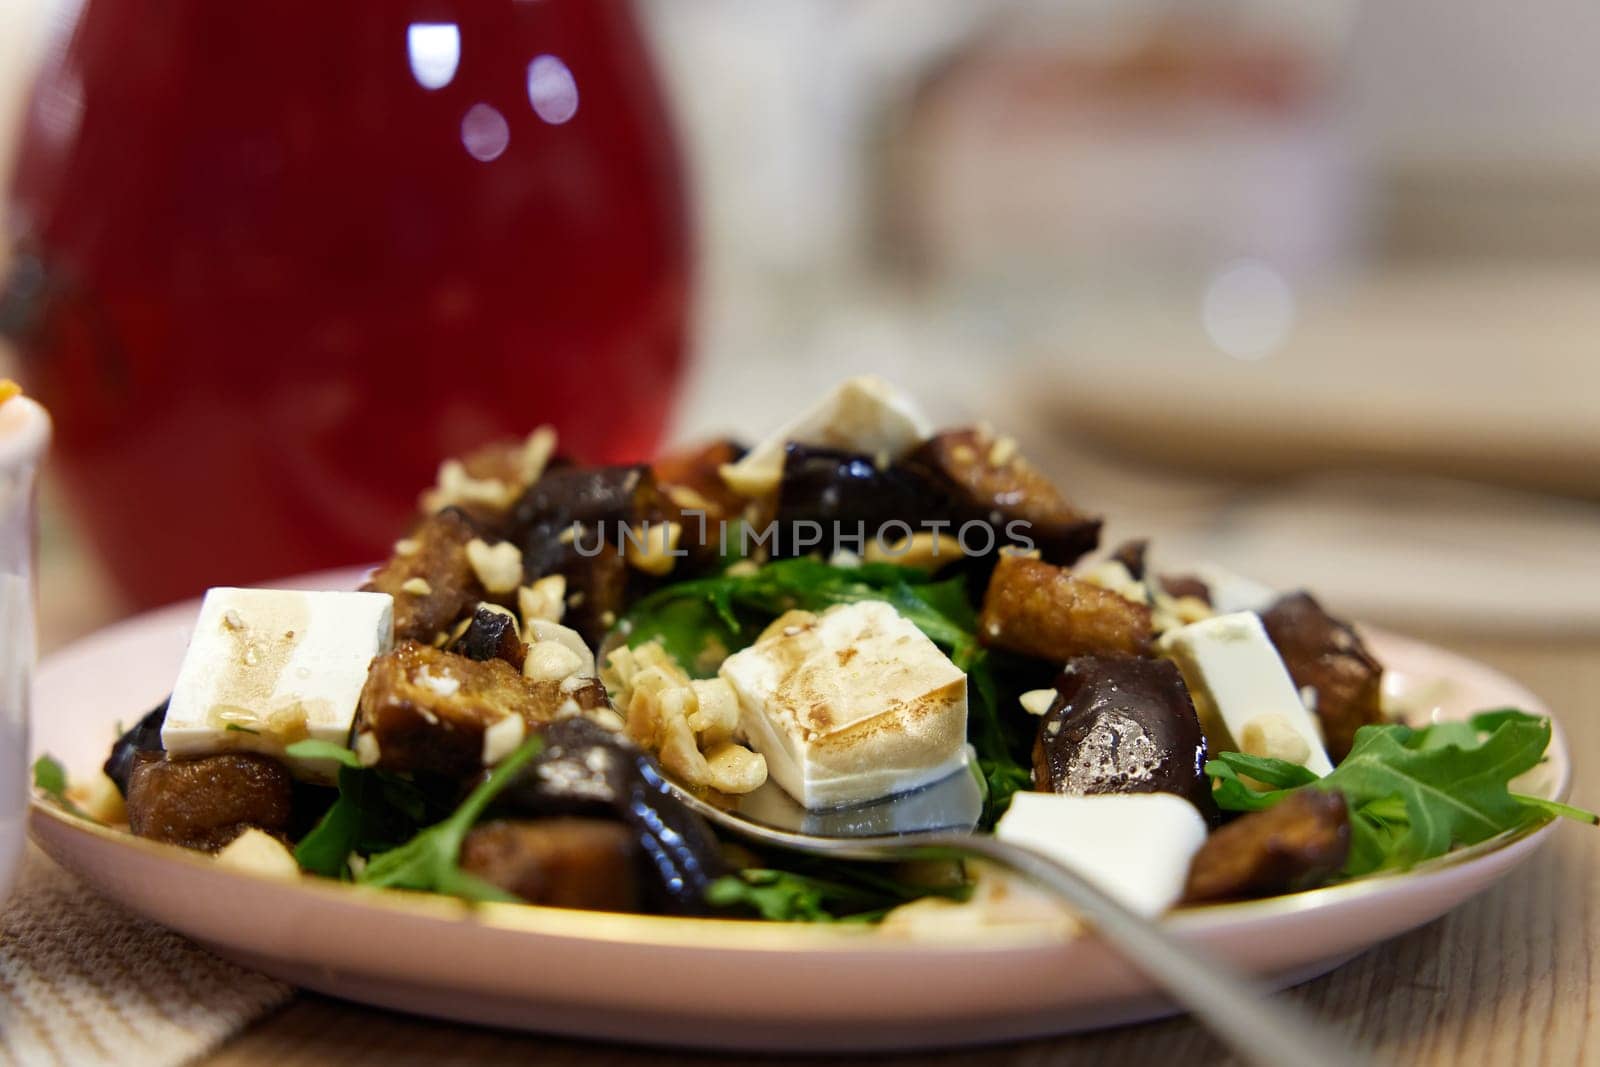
428,861
50,778
375,812
311,748
699,622
734,608
1412,794
841,893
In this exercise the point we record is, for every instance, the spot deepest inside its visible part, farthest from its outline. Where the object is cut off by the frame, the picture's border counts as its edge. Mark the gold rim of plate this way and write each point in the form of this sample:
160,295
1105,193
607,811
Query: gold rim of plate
748,934
757,935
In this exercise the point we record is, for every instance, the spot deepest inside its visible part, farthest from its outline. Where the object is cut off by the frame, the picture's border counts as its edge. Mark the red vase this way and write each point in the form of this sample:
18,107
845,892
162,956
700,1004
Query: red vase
274,260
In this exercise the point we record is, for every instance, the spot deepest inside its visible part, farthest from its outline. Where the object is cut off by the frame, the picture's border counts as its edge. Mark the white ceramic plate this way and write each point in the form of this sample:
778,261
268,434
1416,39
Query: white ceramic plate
713,983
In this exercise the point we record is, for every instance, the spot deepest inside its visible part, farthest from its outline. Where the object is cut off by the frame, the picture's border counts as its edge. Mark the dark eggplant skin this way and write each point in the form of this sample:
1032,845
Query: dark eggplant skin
491,635
1132,554
1123,724
987,482
590,496
587,771
849,493
1298,843
1327,654
570,523
145,736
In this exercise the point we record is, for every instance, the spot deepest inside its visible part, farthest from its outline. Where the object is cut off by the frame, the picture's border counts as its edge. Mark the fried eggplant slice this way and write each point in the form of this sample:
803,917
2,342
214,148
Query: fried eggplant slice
205,803
590,496
570,523
491,634
587,771
562,863
695,496
1179,586
426,710
826,492
691,478
1122,725
1327,655
1037,609
143,738
430,577
988,481
1298,843
1132,555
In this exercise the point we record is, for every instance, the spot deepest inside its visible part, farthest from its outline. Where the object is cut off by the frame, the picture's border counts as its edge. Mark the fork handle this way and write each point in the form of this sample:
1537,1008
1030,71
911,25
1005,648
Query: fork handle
1237,1009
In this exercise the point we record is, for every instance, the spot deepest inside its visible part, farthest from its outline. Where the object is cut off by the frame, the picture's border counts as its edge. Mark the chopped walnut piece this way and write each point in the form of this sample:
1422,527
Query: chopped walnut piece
689,724
545,599
498,566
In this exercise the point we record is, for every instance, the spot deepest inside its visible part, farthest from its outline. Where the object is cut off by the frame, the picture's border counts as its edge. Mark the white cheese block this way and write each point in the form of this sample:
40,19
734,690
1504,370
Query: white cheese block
1236,676
267,667
865,414
1230,592
850,705
1135,847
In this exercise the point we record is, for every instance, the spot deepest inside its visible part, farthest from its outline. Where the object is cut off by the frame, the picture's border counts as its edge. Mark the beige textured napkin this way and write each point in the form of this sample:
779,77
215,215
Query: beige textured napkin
84,981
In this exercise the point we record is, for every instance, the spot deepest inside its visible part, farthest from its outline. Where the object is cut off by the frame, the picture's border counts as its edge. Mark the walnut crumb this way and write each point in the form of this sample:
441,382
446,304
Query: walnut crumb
498,566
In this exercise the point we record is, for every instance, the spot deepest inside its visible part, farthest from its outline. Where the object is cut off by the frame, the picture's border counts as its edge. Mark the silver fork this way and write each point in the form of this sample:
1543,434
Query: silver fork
940,820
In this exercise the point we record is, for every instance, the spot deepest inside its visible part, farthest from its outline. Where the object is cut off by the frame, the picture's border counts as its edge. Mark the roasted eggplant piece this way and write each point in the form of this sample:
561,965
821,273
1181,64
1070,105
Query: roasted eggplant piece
430,577
1131,554
1179,586
1037,609
588,771
1298,843
590,496
692,478
596,573
571,521
695,496
1327,655
206,803
426,710
987,481
563,862
1122,725
491,634
144,737
825,492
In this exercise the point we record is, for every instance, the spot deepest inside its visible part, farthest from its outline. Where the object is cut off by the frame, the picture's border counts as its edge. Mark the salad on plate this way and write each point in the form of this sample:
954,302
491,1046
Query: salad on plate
856,608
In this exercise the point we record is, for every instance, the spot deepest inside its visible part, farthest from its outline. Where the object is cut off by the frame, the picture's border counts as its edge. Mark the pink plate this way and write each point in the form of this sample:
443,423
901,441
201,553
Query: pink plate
710,983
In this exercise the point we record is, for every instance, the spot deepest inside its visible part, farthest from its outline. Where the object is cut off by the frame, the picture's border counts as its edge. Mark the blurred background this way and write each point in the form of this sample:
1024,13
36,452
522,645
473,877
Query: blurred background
1308,289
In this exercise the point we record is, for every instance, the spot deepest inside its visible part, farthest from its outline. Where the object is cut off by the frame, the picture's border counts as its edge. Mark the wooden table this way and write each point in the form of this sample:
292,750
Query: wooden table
1506,978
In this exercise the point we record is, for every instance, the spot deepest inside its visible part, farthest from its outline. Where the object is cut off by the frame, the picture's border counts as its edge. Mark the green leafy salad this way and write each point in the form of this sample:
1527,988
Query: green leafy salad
560,664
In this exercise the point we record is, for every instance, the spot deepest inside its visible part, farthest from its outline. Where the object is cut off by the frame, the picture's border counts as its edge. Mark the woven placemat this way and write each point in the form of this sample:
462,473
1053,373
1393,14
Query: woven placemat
83,981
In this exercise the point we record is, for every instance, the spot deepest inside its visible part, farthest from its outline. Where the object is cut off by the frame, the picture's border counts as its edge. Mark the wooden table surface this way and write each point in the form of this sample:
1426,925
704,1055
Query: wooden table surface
1506,978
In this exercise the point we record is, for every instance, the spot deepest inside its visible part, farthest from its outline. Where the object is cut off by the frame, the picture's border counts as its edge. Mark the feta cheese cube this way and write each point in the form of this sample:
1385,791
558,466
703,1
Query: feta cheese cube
1237,679
1230,592
268,667
865,414
1135,847
850,705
